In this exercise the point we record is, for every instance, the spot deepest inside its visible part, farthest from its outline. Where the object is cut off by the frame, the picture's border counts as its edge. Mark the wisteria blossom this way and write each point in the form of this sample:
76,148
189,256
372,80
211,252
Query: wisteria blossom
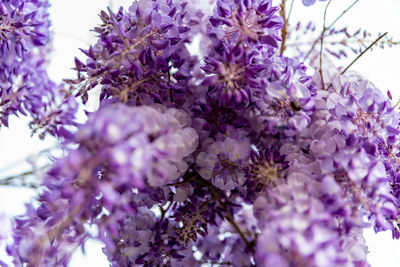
310,2
25,87
233,155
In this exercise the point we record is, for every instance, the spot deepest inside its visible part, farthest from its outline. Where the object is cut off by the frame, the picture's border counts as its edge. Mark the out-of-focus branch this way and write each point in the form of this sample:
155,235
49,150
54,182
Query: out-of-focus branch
322,46
290,10
21,179
284,31
328,28
228,216
341,15
360,55
363,52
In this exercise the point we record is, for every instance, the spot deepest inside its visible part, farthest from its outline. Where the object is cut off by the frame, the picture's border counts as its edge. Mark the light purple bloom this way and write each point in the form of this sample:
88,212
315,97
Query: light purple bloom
310,2
221,161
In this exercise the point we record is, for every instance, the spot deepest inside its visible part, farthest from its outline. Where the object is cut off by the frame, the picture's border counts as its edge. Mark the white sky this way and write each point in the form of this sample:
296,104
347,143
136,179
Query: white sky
72,20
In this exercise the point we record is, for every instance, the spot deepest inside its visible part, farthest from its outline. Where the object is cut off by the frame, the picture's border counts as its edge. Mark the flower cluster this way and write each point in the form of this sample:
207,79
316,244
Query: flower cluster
120,148
25,87
141,53
240,158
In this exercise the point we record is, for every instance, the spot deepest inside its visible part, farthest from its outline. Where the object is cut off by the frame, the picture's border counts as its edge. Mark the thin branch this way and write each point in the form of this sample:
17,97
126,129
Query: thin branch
164,211
19,162
341,15
46,240
328,28
284,31
360,55
195,176
363,52
22,185
230,219
322,46
54,233
228,216
20,175
186,178
359,41
9,180
290,10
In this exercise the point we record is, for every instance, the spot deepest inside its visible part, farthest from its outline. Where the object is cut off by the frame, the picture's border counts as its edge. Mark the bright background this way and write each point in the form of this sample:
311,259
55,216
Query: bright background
72,21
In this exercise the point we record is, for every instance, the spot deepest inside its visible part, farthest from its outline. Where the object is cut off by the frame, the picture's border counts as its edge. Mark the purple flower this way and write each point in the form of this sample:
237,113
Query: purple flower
222,161
248,22
140,144
310,2
265,170
232,70
120,148
25,87
137,52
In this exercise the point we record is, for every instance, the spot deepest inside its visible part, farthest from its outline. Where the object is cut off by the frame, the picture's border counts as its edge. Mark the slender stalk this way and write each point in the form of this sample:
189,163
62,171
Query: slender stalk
186,178
164,211
54,233
229,217
9,180
284,31
363,52
360,55
328,28
17,176
341,15
195,176
322,46
290,10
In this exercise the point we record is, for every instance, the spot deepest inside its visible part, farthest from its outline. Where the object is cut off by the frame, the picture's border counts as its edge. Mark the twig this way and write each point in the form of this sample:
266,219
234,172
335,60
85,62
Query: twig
186,178
230,218
8,180
20,161
322,46
13,177
290,10
22,185
284,31
363,52
195,176
328,28
54,233
341,15
164,211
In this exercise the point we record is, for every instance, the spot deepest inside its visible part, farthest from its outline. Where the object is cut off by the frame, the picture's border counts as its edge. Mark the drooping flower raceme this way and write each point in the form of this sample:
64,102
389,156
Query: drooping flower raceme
25,87
120,148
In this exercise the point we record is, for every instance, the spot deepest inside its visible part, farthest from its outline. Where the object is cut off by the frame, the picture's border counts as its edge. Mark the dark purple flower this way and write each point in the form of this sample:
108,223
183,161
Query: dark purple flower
247,22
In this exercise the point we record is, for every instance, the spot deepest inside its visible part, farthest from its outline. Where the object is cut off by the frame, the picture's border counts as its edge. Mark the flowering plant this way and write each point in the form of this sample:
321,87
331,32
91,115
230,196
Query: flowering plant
233,155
